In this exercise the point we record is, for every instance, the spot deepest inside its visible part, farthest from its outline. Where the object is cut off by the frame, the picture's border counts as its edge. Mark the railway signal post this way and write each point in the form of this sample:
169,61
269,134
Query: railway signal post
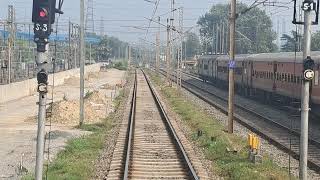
43,16
231,65
308,6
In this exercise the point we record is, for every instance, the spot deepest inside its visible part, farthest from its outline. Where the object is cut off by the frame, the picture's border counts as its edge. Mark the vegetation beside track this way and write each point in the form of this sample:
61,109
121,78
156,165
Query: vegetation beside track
215,141
121,65
76,161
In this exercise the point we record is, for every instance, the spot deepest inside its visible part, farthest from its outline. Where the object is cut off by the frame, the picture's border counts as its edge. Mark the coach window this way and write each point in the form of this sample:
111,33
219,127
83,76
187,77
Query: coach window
289,78
265,75
285,77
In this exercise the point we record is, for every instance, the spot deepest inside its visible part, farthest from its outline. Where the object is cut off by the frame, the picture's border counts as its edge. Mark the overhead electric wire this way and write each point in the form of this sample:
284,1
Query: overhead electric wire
153,14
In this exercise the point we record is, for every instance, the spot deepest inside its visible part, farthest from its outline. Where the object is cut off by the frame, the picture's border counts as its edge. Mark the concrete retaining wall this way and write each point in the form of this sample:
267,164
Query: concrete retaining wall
28,87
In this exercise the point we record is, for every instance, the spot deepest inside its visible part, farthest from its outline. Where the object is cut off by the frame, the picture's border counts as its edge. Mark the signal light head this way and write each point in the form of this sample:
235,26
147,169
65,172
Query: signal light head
43,13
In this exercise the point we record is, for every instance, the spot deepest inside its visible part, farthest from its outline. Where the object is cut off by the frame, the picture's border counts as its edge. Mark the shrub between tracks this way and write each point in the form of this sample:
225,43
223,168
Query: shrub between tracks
228,153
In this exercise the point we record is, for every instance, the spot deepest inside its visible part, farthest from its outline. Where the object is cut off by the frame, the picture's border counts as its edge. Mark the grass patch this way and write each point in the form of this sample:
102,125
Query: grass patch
76,161
121,65
215,142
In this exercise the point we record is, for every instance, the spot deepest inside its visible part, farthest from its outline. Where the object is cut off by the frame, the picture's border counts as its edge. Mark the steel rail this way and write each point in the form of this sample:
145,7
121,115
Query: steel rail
130,128
241,120
192,171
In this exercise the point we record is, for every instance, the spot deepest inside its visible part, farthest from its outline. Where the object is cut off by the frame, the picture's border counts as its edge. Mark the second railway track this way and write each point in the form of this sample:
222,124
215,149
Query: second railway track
280,135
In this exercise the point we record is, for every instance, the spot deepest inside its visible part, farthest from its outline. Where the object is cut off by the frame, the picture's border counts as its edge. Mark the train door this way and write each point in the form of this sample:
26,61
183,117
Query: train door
217,73
242,85
251,73
212,70
275,70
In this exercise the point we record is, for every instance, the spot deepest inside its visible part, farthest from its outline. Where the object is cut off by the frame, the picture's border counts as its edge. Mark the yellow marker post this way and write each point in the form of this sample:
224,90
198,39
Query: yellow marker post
250,140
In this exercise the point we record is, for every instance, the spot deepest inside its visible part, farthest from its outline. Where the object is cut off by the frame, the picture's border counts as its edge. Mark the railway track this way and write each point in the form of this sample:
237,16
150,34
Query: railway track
151,145
278,134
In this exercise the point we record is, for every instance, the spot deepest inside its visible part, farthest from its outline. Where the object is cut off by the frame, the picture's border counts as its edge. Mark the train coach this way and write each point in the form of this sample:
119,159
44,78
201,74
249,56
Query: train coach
270,76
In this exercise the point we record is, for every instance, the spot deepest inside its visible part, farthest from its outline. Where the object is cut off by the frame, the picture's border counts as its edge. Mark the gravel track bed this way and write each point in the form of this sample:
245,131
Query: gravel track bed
185,134
153,154
102,164
280,116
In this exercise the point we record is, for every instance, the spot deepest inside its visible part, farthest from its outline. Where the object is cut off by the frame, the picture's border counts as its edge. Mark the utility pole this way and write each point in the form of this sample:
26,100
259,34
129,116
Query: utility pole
227,31
231,65
168,56
69,45
82,59
90,54
180,48
308,6
158,47
213,39
222,38
10,40
217,38
171,41
129,56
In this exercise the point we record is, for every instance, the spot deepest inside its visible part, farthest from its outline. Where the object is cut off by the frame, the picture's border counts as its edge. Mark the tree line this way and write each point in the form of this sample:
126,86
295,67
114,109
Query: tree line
254,33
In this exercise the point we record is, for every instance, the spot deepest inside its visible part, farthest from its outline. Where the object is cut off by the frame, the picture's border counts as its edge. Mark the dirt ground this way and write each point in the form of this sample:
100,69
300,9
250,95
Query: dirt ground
18,126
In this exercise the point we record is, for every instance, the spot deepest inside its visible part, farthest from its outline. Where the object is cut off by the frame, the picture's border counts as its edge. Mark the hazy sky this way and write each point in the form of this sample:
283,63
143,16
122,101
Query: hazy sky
116,14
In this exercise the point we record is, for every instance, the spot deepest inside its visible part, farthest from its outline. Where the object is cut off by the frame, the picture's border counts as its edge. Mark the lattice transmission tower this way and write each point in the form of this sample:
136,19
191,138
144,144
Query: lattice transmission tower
89,26
102,26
